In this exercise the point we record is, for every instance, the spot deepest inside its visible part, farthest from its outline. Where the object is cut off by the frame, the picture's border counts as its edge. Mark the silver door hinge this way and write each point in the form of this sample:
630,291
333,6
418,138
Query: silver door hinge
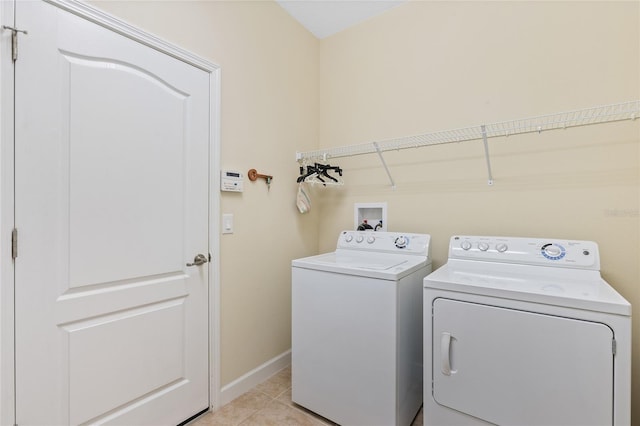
614,346
14,40
14,243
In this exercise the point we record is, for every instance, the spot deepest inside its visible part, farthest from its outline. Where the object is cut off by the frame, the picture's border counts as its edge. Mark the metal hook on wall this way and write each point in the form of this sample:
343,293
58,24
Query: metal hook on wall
254,175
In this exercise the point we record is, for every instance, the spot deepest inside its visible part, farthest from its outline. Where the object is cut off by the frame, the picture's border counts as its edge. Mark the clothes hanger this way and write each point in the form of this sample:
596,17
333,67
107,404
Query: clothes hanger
319,173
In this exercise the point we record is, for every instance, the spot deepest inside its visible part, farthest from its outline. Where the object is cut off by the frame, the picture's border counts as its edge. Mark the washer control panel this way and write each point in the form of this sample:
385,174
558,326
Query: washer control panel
395,242
527,251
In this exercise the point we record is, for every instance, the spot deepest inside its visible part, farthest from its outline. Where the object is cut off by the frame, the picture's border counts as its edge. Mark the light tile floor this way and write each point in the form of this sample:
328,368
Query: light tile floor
268,404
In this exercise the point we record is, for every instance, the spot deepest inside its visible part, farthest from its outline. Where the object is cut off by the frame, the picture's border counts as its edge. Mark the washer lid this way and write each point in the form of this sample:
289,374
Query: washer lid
374,265
579,289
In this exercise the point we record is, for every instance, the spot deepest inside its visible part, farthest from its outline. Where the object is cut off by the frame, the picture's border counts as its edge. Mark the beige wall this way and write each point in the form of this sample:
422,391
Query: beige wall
269,104
429,66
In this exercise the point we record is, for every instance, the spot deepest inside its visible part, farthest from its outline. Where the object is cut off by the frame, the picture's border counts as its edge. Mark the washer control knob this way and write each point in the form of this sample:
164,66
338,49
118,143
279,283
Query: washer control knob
401,241
466,245
502,247
348,238
483,246
371,239
359,239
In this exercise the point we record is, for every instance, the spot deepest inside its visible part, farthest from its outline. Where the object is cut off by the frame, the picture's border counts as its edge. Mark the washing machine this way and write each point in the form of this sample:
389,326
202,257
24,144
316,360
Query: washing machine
524,331
356,343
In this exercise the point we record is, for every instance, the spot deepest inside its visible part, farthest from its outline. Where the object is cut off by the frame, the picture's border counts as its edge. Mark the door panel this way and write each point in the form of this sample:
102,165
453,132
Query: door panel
116,349
511,367
114,149
111,203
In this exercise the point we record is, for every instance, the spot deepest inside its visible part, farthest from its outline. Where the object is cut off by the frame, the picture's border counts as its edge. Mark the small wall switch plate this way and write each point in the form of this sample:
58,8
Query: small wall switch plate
227,223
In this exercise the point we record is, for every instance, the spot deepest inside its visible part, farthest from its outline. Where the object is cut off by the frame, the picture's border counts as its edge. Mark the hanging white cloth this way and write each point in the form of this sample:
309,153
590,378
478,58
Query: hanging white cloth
303,202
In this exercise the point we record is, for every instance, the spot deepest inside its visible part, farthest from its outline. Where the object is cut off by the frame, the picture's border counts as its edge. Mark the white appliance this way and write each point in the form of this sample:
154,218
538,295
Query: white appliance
357,328
524,331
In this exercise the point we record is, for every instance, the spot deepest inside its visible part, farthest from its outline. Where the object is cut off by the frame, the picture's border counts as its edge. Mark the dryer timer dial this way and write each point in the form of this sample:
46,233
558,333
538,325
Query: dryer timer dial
553,251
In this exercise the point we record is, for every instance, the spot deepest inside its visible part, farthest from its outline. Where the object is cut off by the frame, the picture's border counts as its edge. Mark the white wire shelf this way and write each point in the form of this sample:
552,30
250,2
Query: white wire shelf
582,117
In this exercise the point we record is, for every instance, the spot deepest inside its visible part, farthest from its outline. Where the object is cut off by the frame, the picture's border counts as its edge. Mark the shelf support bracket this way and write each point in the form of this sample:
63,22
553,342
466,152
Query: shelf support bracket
384,163
486,153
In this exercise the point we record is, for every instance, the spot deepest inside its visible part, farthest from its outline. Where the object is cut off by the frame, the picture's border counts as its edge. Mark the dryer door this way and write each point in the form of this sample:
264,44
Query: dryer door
513,367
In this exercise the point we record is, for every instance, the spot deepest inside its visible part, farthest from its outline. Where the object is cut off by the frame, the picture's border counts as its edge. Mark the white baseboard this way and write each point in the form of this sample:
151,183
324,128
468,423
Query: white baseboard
254,377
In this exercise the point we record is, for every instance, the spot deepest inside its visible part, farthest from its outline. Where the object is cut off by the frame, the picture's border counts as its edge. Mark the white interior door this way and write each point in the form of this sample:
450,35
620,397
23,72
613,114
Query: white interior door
511,367
111,163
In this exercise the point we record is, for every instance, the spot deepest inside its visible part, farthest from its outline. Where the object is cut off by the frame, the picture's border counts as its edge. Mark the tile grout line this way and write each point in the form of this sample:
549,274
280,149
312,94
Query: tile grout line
291,406
272,399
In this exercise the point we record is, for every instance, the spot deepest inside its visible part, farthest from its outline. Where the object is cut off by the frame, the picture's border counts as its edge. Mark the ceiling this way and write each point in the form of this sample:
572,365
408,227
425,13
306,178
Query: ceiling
326,17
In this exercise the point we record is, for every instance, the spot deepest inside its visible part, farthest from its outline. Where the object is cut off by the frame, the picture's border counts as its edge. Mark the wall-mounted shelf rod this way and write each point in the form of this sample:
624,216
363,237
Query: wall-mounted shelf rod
384,163
486,153
562,120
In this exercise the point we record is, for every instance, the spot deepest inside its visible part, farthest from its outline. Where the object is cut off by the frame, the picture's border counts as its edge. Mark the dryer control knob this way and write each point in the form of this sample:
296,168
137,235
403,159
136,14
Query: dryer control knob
483,246
348,238
401,241
552,250
466,245
359,239
371,239
502,247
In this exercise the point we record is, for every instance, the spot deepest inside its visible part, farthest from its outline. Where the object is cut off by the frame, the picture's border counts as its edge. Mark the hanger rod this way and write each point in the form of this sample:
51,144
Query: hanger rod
562,120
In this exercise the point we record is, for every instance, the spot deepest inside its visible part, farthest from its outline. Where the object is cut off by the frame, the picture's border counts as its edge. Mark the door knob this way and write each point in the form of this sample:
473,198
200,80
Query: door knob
198,260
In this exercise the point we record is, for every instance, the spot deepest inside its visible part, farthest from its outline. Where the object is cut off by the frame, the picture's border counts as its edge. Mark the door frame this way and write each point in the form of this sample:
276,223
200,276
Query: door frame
7,196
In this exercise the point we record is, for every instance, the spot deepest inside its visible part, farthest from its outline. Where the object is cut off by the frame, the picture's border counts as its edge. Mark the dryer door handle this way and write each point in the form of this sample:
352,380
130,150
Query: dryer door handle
445,353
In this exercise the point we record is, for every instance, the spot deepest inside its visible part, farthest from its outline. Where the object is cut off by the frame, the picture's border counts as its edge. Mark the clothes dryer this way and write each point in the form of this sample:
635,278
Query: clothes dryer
524,331
357,328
